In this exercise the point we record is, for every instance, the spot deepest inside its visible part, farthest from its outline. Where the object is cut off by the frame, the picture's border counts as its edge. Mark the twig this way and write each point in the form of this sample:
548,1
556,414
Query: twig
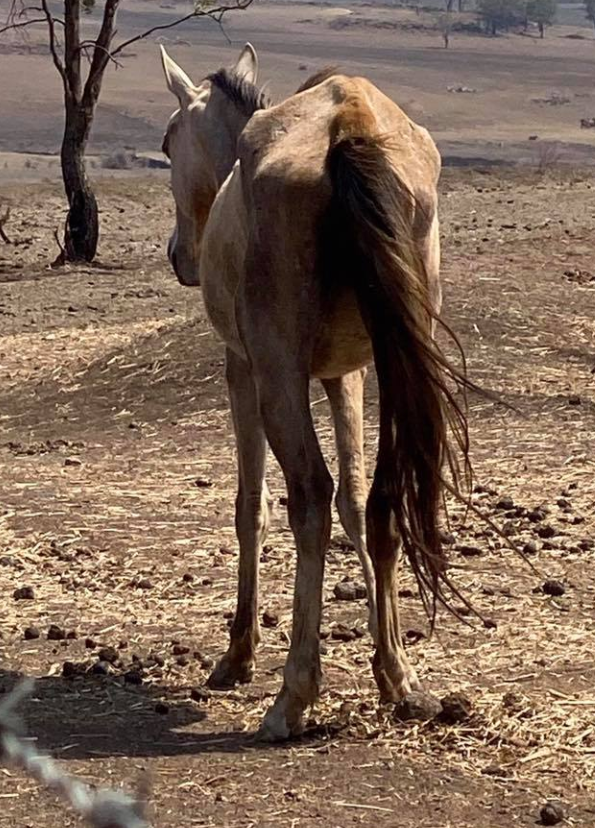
60,259
4,220
104,808
212,13
51,23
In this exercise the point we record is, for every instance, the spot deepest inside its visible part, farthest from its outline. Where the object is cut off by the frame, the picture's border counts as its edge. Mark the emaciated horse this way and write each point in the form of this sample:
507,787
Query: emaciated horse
312,227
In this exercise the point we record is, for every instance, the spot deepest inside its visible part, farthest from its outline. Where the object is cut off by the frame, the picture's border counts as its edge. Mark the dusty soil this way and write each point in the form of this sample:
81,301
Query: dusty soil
116,491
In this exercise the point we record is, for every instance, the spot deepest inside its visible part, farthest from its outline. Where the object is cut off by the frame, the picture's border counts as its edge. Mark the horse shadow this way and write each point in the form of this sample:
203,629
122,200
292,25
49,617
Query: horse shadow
90,718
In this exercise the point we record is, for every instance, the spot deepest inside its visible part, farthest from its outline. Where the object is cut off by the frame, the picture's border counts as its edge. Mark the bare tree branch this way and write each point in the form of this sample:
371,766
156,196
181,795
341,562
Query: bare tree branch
51,23
212,13
102,53
87,46
23,24
72,55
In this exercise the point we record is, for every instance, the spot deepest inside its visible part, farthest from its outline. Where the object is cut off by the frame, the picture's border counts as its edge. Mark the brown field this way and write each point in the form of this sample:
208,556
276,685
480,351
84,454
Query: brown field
118,469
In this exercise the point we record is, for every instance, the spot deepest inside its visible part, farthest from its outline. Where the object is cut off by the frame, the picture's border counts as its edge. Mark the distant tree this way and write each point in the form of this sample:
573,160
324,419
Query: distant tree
500,15
543,12
81,65
444,26
590,9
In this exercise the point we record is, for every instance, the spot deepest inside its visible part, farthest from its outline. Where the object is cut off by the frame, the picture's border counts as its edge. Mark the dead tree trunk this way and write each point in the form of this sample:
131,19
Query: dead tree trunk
82,224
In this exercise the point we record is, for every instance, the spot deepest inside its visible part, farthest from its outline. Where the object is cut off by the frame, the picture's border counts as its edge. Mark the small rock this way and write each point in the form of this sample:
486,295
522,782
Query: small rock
505,504
283,501
71,669
546,531
90,644
324,632
555,588
413,636
536,515
108,654
180,649
270,619
71,635
419,706
456,708
101,668
145,583
133,677
206,662
182,661
406,593
574,399
187,577
495,770
55,633
563,503
552,813
530,548
340,632
586,544
200,694
447,538
156,659
508,529
31,633
490,624
162,708
468,550
203,483
73,461
25,593
349,591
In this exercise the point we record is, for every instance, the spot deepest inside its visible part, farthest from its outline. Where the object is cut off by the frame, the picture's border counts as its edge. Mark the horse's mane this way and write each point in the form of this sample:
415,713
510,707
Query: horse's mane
245,95
317,77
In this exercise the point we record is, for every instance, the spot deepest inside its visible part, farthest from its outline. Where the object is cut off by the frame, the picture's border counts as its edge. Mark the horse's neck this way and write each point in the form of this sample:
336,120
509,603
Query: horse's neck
229,128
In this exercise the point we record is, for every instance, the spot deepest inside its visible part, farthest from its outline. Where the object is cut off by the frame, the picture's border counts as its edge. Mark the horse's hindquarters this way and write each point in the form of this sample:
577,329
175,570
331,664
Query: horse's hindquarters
343,344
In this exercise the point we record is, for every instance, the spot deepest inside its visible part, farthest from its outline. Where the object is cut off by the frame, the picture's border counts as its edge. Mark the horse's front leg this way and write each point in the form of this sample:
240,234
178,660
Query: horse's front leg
252,521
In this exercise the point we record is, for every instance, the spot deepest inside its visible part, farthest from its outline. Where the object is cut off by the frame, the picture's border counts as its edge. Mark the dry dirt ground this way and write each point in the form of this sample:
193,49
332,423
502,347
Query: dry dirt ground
116,496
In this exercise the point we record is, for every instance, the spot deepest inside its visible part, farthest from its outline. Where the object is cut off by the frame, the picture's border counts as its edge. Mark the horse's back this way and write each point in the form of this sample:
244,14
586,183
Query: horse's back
289,142
269,213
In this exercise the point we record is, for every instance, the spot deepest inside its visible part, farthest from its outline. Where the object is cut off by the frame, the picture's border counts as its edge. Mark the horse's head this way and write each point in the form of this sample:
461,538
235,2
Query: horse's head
200,142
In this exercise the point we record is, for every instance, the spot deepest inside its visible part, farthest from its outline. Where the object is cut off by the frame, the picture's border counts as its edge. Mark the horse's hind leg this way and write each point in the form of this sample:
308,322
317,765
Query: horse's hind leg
252,520
394,674
346,396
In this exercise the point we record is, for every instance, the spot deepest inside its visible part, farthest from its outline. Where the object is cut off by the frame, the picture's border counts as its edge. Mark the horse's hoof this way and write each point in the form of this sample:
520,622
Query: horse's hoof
227,674
276,728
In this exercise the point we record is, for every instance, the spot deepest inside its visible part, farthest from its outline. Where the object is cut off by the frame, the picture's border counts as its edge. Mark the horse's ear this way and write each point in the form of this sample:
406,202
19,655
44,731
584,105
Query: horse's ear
247,65
177,80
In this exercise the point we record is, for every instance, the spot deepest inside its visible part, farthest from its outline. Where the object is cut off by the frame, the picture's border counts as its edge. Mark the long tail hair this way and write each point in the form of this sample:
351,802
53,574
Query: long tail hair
423,446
